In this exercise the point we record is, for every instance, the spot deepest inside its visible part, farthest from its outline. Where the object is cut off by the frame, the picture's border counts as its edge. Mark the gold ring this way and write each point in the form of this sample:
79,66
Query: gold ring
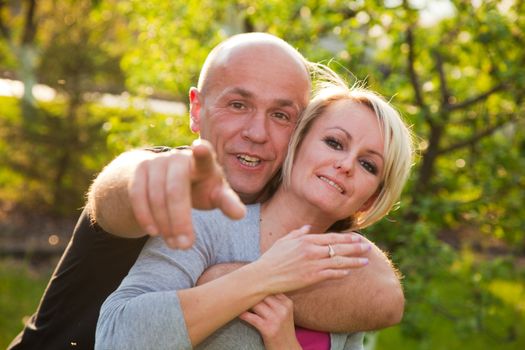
331,251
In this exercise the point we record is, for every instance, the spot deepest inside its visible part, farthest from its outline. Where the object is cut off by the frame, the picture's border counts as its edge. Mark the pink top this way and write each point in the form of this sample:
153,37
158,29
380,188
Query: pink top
312,340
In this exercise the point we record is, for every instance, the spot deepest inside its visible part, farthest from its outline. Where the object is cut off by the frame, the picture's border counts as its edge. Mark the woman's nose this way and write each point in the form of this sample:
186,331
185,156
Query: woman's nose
345,164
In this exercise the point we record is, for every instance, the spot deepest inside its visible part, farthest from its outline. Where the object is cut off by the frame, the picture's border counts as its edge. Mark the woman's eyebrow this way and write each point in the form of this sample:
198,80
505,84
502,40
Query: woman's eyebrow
343,130
376,153
349,136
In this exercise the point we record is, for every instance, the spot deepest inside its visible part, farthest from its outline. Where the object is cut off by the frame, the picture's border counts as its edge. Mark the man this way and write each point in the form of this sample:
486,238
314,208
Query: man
251,91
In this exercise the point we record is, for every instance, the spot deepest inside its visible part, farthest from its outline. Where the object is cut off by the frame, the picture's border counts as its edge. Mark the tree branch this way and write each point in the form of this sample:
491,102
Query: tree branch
414,79
4,31
29,26
475,138
470,101
443,85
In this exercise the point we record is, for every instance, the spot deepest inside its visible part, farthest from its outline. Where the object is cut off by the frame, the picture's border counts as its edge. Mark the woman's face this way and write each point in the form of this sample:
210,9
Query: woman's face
340,161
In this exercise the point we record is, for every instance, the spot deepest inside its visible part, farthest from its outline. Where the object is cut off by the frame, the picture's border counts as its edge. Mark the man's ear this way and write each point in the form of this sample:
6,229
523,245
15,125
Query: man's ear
195,110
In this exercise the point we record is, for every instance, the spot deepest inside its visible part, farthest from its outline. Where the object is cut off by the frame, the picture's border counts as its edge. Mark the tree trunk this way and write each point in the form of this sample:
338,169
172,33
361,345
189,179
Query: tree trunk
429,159
27,57
68,150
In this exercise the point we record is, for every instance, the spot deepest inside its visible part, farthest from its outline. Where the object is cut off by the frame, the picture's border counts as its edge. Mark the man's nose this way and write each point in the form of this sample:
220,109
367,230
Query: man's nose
256,128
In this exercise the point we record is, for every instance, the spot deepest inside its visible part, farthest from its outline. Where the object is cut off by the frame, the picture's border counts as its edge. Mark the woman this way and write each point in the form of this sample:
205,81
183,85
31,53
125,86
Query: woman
348,160
273,317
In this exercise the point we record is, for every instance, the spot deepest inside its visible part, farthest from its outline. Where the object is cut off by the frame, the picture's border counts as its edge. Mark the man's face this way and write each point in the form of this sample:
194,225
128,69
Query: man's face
249,112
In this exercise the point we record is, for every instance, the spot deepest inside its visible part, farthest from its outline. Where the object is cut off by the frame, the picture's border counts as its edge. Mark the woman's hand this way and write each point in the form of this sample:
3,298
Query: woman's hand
300,259
273,318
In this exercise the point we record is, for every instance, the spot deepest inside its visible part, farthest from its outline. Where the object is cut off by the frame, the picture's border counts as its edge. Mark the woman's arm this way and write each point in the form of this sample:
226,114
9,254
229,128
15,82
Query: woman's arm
146,312
293,262
367,299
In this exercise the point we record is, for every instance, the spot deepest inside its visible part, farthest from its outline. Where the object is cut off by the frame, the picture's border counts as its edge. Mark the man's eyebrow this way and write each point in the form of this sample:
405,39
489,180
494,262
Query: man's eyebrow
350,138
240,91
248,94
286,103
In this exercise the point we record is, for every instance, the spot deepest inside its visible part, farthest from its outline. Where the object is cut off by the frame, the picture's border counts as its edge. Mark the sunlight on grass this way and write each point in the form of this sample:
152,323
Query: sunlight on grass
21,289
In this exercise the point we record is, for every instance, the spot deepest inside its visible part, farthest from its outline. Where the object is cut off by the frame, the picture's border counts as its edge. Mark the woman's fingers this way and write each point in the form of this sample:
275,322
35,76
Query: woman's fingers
300,259
333,238
333,244
343,262
252,318
263,309
321,247
354,249
274,305
270,314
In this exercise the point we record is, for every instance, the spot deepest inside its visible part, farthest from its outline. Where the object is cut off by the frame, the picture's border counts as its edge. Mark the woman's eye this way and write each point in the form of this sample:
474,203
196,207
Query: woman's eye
369,166
333,143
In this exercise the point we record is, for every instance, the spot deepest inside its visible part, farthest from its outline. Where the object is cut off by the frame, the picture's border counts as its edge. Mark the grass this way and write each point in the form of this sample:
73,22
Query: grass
20,290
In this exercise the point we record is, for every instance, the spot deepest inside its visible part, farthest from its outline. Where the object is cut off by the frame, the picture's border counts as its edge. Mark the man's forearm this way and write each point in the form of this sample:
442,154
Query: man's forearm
369,298
219,270
108,200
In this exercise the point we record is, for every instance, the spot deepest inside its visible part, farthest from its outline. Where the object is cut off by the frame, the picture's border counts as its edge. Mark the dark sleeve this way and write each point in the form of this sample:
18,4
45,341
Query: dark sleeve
92,266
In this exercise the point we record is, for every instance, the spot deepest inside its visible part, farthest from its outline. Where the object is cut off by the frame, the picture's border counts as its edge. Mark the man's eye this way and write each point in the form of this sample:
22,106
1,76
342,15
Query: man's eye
237,105
333,143
369,166
281,116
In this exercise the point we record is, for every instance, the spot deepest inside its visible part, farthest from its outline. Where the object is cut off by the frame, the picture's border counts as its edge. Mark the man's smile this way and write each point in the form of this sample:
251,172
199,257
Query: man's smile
248,160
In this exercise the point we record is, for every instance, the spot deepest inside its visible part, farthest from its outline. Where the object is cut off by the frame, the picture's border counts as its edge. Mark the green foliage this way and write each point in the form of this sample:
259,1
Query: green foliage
75,55
48,165
160,25
141,128
467,305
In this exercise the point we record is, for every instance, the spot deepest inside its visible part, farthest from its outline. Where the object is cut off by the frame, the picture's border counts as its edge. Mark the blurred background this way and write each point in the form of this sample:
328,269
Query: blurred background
82,81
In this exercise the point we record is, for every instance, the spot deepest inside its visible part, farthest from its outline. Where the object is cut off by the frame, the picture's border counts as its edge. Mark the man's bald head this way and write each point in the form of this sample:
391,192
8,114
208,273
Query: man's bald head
255,44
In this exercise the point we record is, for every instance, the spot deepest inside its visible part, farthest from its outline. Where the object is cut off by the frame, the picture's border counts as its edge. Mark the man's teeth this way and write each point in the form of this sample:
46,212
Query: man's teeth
248,161
331,183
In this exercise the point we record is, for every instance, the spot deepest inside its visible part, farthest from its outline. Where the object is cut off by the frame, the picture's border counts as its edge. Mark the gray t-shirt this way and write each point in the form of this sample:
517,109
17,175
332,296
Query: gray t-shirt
145,313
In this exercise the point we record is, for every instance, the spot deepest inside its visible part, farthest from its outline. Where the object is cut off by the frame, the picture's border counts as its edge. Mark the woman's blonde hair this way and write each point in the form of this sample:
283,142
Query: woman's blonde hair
398,146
